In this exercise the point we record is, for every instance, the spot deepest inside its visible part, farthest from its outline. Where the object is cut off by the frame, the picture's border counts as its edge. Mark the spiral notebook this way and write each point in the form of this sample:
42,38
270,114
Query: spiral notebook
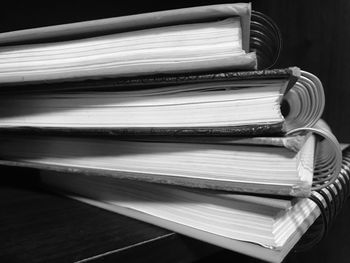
197,39
308,159
194,39
261,227
247,103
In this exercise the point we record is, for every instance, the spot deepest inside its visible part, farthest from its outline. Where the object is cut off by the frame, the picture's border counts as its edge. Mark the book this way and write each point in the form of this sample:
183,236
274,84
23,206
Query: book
263,227
257,226
190,39
247,103
292,165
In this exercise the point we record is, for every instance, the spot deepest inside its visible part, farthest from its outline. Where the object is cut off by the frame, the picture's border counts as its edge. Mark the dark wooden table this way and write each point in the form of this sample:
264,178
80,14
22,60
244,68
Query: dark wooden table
39,226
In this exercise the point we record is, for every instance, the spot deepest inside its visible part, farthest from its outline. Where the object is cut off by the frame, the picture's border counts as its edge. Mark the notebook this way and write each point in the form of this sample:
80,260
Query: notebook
190,39
292,165
261,227
248,103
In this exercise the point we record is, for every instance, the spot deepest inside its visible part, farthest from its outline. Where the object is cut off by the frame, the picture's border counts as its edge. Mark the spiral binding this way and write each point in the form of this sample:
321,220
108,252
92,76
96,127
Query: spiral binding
330,201
328,157
307,101
265,40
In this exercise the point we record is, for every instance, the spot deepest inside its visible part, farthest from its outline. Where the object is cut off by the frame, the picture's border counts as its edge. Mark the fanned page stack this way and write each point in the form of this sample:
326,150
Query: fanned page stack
245,103
261,227
292,165
191,39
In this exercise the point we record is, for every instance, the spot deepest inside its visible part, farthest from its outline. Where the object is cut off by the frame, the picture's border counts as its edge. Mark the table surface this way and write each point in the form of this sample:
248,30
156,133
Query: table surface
39,226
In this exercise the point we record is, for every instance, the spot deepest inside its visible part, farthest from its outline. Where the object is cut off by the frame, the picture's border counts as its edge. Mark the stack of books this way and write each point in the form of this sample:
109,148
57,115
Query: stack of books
173,118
